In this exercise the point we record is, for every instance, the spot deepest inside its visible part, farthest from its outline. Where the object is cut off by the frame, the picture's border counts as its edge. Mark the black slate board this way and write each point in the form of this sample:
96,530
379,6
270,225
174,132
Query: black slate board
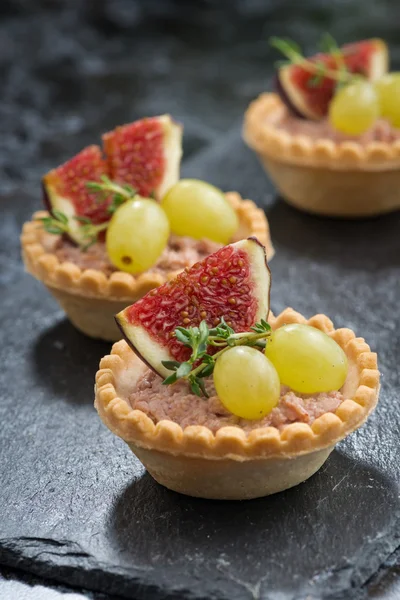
77,507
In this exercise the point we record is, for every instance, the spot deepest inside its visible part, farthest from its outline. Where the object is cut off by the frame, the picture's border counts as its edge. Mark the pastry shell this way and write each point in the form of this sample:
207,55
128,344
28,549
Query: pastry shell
90,298
342,179
234,464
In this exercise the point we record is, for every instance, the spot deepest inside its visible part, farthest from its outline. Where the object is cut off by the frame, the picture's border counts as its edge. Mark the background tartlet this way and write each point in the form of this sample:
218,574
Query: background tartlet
344,179
329,138
89,297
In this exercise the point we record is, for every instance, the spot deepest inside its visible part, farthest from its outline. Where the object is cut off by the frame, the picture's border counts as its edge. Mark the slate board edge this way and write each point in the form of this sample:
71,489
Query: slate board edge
116,580
15,552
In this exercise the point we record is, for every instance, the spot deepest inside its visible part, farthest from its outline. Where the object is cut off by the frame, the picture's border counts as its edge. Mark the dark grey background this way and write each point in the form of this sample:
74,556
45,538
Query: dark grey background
74,506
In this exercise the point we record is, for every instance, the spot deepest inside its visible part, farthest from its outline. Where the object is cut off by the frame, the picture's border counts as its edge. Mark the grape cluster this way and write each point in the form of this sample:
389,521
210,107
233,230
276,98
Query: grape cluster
355,107
305,359
139,229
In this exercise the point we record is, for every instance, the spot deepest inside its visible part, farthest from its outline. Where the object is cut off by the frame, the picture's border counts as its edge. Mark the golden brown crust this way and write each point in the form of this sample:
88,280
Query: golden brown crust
265,138
114,381
119,286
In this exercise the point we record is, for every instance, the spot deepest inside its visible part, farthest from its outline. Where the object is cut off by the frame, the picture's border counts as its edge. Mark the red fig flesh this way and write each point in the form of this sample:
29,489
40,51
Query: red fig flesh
311,101
65,189
145,154
233,283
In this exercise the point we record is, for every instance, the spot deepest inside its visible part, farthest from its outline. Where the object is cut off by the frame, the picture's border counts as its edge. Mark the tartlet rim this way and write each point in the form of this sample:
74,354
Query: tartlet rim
119,286
231,442
262,136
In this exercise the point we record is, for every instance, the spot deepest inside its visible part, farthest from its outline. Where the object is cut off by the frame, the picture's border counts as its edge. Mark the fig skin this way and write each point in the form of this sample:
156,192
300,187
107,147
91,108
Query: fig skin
280,90
310,104
48,207
121,326
46,199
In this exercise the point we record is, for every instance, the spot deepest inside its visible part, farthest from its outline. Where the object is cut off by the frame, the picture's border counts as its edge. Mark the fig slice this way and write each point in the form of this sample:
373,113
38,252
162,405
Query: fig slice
65,189
145,154
233,283
309,100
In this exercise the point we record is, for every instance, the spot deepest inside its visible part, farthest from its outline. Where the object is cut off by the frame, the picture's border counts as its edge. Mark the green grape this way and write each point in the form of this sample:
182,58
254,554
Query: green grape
388,90
200,210
355,108
246,382
137,235
307,360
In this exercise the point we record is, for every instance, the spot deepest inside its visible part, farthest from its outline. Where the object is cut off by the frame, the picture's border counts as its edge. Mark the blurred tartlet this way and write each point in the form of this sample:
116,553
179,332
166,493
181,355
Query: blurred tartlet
332,151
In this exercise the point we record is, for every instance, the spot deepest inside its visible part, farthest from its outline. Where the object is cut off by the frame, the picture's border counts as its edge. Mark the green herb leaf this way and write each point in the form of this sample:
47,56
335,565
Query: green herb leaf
204,331
201,349
222,330
54,229
200,383
60,216
183,370
170,379
195,387
328,44
261,327
286,46
208,360
194,332
317,79
94,185
56,224
116,202
105,188
182,335
83,220
105,179
172,365
207,370
130,189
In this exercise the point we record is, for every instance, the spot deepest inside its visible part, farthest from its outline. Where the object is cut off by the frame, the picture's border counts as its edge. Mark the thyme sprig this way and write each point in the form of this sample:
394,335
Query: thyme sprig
317,68
201,363
56,223
59,223
120,193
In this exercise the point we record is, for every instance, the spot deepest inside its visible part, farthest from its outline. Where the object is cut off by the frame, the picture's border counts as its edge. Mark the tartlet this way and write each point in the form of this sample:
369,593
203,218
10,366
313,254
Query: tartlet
89,297
234,464
323,176
330,138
